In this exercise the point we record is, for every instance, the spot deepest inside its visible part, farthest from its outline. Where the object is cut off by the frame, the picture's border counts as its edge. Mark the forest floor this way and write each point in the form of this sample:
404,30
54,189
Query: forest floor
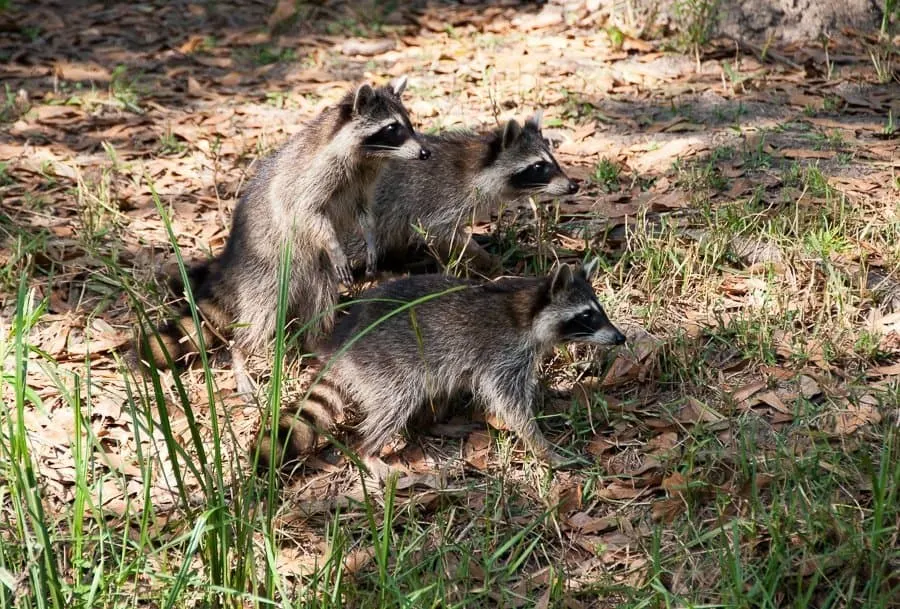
744,202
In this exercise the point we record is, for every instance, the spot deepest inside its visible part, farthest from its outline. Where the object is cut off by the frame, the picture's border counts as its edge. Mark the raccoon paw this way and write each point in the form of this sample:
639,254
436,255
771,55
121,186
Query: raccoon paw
344,273
555,459
371,265
245,387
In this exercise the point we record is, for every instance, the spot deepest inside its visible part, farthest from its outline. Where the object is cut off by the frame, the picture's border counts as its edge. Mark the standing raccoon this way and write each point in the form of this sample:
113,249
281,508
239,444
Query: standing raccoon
469,172
311,194
486,338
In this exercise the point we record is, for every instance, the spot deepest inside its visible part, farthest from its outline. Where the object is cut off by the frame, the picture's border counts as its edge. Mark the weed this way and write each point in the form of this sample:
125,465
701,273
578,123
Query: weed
756,157
701,177
264,55
832,140
171,145
616,37
890,127
32,32
606,174
14,105
816,182
831,103
124,89
5,178
882,55
696,20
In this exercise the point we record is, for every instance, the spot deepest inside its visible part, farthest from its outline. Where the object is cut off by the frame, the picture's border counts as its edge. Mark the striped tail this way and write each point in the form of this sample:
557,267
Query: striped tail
300,425
176,340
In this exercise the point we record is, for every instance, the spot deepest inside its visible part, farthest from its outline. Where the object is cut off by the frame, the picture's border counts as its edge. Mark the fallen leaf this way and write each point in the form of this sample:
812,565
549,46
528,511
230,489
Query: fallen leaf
599,445
891,370
771,398
620,490
476,449
284,10
667,510
368,48
587,524
857,415
744,393
695,411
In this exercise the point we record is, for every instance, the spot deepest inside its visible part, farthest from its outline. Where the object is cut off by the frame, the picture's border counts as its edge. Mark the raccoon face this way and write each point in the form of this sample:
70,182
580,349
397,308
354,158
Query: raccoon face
572,312
382,123
527,163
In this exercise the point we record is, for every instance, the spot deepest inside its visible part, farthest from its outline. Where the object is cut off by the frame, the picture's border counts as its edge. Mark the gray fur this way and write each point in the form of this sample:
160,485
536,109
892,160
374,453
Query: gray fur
468,173
313,193
486,338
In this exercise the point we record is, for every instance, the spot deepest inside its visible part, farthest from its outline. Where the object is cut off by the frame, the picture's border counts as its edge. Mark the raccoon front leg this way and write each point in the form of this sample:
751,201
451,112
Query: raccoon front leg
244,384
481,259
462,245
514,405
324,233
367,222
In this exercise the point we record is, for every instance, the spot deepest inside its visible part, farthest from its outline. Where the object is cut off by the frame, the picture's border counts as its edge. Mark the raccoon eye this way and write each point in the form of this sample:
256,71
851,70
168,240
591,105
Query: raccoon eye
541,168
392,128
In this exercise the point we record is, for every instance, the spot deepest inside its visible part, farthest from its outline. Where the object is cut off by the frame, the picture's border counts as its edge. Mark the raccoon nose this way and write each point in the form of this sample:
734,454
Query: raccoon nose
424,154
619,338
573,188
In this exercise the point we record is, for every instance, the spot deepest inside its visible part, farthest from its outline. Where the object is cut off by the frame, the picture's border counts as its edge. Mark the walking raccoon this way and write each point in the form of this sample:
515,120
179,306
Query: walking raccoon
469,172
311,194
484,337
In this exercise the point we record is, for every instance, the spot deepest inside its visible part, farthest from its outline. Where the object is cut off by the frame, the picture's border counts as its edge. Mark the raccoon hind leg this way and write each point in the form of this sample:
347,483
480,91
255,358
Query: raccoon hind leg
387,413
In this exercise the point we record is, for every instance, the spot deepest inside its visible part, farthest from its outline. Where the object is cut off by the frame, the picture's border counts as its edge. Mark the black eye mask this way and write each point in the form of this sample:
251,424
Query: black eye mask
535,175
389,136
584,324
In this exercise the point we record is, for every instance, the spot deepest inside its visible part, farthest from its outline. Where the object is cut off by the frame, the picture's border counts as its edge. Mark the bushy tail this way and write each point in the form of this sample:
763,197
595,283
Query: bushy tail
178,338
300,424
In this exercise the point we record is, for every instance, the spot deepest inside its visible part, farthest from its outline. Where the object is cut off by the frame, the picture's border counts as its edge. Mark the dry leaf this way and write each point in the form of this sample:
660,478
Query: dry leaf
620,490
857,415
477,449
892,370
667,510
587,524
744,393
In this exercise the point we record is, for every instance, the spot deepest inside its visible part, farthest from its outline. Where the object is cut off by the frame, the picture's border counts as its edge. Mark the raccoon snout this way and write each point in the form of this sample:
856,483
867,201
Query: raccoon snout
618,337
572,188
424,154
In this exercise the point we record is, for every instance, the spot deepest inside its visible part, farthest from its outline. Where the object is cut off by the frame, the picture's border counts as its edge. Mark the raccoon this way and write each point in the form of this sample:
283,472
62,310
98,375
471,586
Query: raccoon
312,193
469,172
392,361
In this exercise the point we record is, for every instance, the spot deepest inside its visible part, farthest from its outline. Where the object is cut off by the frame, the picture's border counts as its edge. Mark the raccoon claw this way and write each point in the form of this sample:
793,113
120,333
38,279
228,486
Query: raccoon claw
344,274
555,459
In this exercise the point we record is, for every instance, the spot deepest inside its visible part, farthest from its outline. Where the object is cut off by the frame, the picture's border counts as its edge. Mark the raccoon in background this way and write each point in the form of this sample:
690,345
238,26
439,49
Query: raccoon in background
314,192
468,172
484,337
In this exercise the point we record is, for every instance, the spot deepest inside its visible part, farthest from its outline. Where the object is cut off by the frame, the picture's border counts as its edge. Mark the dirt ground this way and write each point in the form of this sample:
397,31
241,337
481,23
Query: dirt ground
107,103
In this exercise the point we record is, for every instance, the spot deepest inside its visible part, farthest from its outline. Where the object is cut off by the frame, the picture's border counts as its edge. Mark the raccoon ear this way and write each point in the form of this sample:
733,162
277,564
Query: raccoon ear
398,86
561,280
510,133
364,94
535,120
589,268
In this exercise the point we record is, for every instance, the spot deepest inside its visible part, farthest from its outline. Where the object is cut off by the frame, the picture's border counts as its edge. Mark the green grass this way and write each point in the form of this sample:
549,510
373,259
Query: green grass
606,174
699,498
